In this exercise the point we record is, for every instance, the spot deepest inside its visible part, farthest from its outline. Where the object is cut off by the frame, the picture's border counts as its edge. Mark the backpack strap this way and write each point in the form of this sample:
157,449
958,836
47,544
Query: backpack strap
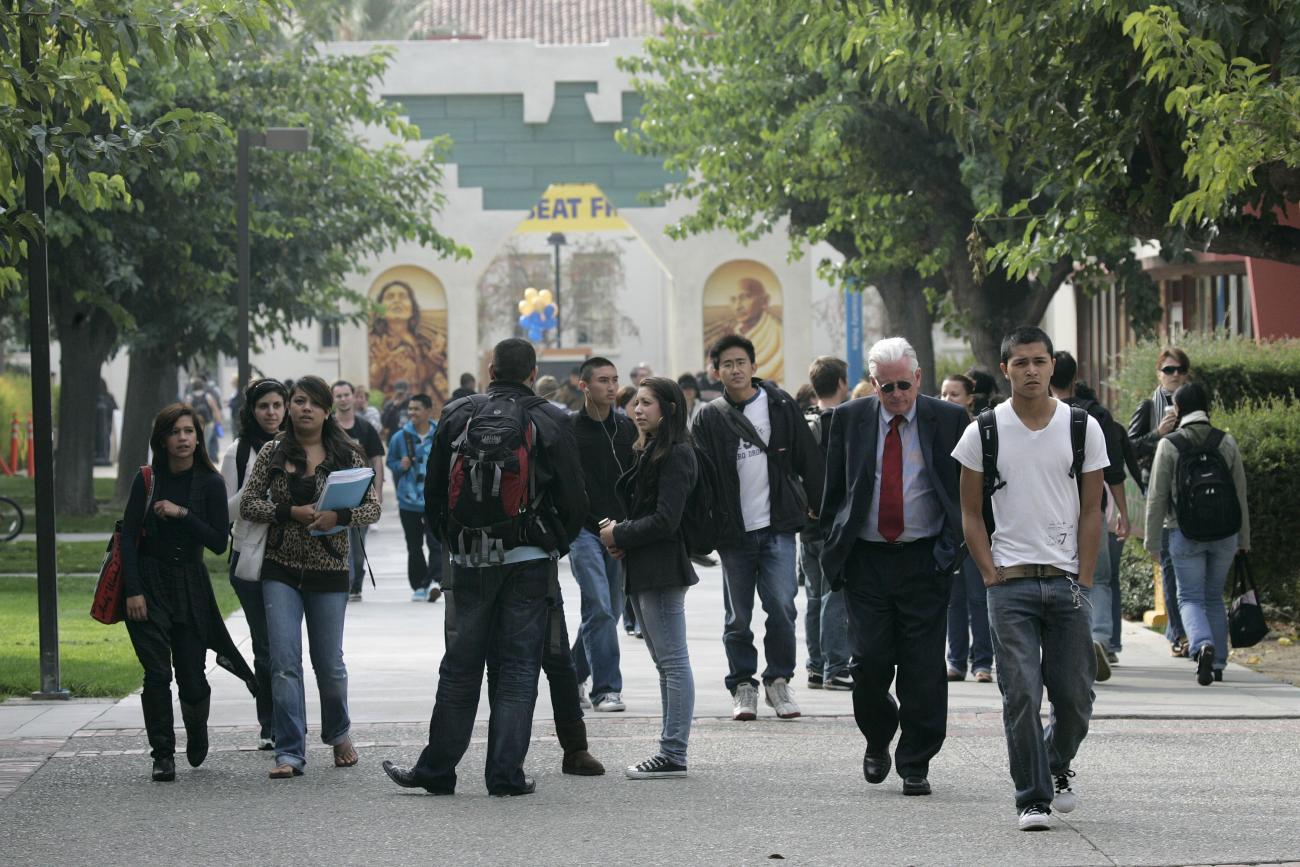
988,431
1078,436
1213,440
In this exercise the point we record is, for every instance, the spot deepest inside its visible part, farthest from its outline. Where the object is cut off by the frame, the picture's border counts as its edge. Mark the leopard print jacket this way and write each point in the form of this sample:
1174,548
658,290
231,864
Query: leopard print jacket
267,500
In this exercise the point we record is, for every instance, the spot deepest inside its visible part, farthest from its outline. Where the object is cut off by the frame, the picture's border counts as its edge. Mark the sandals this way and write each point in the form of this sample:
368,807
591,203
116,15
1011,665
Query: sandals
284,772
345,755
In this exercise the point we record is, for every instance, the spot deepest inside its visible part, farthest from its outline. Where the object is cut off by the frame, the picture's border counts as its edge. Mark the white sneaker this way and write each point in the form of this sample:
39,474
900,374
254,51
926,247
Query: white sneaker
1035,817
780,698
583,701
745,703
1065,799
610,702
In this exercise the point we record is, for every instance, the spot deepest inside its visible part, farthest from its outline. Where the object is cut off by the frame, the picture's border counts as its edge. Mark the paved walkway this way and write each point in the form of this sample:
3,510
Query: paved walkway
1172,773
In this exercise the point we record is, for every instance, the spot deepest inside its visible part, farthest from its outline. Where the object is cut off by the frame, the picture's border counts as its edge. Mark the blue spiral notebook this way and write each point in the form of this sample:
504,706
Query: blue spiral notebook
344,489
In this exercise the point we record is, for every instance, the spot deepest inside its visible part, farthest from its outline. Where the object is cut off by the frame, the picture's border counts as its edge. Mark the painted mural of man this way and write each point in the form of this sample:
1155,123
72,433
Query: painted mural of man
756,322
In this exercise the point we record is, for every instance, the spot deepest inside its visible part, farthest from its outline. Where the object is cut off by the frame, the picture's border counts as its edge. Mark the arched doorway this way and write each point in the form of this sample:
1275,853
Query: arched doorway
408,334
744,297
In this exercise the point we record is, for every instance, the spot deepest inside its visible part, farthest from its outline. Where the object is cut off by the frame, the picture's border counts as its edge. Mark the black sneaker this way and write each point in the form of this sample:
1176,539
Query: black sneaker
1205,665
815,681
1036,817
841,682
657,768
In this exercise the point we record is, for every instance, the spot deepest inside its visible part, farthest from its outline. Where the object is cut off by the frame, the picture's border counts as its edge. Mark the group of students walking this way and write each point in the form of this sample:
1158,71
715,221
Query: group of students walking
909,510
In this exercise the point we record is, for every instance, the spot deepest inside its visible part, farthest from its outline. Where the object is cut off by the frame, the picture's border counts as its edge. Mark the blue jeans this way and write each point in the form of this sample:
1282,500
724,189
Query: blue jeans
826,622
1042,638
1202,569
1116,545
662,615
968,622
1100,593
250,599
762,562
504,609
357,557
1174,630
600,582
285,609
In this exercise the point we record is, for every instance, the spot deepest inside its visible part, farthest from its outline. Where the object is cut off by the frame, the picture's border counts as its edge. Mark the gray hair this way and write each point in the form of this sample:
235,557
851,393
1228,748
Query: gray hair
890,350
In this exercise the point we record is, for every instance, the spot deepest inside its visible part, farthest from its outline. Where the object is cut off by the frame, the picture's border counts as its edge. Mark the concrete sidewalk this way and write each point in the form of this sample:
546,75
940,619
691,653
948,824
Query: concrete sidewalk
1172,773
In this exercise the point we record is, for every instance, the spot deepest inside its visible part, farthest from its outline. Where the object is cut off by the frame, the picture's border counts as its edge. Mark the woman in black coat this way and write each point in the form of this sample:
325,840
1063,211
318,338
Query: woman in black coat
656,565
172,613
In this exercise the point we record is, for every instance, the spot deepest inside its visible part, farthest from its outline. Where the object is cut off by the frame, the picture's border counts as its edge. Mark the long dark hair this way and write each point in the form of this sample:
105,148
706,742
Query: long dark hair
672,424
339,447
249,427
380,325
163,423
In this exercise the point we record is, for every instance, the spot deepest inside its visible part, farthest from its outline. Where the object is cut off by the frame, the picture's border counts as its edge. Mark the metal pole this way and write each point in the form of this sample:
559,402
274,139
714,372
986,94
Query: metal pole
241,231
559,342
38,299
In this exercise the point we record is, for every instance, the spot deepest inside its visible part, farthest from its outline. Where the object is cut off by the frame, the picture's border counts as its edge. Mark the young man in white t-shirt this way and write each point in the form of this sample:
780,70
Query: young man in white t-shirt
1037,571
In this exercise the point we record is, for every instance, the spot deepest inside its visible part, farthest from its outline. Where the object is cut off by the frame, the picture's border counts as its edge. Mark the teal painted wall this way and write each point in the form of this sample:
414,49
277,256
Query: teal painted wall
514,162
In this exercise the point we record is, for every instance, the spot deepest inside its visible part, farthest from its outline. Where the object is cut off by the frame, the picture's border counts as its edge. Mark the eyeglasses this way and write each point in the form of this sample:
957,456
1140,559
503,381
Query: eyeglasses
901,385
1171,369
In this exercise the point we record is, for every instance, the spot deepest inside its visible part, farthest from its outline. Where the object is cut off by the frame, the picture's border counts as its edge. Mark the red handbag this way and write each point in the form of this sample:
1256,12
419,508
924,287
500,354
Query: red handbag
109,605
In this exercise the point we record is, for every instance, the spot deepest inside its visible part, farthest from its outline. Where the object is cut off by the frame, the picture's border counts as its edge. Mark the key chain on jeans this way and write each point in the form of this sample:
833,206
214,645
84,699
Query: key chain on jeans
1076,592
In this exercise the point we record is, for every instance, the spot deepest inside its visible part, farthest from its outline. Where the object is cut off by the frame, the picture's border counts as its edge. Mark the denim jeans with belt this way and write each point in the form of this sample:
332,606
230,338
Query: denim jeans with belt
1202,569
826,621
600,583
1043,639
662,615
286,607
762,562
503,608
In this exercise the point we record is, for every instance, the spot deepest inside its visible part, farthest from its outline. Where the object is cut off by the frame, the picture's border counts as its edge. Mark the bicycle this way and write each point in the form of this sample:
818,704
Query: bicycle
11,519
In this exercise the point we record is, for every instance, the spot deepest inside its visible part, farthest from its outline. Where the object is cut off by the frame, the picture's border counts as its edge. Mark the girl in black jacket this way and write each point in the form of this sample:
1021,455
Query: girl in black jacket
657,568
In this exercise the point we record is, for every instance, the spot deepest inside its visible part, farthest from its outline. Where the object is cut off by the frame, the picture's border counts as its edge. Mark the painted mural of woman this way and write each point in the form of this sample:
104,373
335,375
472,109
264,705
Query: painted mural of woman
405,345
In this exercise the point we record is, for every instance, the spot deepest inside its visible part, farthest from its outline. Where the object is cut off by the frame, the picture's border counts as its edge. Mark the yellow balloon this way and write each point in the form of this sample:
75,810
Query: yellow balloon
530,293
545,297
525,308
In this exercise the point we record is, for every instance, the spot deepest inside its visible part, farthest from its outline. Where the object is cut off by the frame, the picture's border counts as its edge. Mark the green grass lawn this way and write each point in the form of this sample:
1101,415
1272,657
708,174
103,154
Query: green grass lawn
23,490
97,660
73,557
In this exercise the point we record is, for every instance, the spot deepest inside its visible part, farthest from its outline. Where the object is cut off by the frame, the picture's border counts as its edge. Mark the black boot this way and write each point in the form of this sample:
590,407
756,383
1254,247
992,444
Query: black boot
156,702
196,730
573,740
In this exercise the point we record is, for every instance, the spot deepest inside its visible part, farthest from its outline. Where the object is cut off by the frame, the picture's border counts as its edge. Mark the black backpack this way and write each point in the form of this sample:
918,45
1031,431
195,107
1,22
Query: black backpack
1205,496
700,518
199,401
988,431
492,484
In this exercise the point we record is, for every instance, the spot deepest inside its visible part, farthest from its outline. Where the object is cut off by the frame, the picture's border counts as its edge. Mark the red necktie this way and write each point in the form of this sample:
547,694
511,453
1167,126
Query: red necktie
891,483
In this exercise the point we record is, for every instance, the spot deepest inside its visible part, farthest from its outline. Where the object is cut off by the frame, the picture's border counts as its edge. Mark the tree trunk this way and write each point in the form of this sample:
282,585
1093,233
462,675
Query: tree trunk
997,306
909,316
85,338
150,385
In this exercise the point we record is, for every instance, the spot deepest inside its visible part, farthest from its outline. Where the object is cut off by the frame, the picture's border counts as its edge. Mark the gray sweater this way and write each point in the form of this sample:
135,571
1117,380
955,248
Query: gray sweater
1161,495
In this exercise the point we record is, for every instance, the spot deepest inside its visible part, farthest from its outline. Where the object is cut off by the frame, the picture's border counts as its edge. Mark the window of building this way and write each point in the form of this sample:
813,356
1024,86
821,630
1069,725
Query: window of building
329,335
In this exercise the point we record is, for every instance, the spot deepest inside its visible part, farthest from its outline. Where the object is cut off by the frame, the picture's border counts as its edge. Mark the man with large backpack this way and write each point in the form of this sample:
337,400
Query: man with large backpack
504,490
1046,495
1063,386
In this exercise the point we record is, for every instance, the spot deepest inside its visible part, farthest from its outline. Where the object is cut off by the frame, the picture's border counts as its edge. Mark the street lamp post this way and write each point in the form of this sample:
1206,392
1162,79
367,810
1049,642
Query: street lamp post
274,139
557,240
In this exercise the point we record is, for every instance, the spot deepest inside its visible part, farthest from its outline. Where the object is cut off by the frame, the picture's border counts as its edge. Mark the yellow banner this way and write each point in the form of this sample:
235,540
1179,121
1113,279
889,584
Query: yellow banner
572,208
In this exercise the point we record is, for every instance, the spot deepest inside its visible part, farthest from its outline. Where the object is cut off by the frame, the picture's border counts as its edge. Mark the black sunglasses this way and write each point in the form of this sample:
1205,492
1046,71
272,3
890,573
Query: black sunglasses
1171,369
901,385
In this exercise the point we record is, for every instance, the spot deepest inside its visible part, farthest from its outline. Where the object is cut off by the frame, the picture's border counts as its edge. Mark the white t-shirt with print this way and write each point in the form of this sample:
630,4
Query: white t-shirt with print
1037,513
751,467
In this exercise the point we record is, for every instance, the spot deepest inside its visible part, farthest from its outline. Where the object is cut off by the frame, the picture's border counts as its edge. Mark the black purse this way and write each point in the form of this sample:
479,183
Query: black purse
1246,625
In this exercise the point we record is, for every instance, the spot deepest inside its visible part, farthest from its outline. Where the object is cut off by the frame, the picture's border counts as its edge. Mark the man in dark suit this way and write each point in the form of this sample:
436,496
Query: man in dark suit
891,519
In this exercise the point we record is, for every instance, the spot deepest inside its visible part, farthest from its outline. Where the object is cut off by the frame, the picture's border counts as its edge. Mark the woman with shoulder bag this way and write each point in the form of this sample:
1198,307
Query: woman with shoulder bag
306,576
657,567
172,613
260,418
1201,565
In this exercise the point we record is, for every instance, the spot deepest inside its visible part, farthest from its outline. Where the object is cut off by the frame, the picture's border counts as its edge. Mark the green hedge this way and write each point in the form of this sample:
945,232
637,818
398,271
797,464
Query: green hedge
1235,370
1137,585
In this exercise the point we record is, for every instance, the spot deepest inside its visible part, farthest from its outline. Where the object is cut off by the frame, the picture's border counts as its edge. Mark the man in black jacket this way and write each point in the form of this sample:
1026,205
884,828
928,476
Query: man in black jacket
770,472
892,525
499,604
604,439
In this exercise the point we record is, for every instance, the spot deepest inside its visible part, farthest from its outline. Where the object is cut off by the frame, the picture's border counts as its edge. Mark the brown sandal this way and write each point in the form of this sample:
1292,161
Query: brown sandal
284,772
345,755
